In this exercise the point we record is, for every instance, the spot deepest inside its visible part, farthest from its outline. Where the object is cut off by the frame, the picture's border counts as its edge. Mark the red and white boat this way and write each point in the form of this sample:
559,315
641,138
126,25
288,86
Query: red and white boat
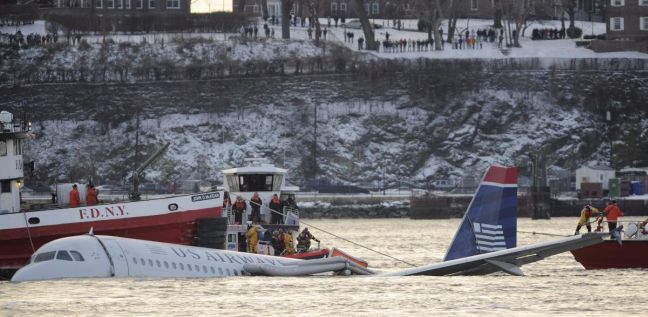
631,253
174,219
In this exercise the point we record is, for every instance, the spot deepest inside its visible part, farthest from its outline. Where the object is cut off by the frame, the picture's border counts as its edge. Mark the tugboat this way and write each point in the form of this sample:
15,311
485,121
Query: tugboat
629,254
174,219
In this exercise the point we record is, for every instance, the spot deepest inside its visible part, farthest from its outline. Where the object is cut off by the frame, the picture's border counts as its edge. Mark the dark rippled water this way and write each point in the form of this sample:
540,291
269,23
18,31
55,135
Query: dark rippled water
556,286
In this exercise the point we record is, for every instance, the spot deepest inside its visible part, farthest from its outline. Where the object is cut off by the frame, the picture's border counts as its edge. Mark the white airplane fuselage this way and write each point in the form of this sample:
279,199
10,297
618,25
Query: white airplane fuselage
90,256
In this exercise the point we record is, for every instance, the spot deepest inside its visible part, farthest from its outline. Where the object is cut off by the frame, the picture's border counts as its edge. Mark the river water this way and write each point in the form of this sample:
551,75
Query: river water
556,286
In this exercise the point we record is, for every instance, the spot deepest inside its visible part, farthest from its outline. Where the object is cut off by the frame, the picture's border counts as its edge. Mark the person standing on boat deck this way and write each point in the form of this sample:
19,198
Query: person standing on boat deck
277,242
75,199
91,195
304,240
612,212
252,236
586,213
275,210
239,207
256,202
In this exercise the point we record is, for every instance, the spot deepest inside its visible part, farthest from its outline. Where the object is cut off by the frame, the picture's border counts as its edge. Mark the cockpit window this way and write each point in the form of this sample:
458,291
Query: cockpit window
45,256
63,255
77,256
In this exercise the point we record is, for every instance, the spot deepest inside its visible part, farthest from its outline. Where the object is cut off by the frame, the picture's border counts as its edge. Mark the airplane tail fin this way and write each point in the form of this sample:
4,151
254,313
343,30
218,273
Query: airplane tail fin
490,223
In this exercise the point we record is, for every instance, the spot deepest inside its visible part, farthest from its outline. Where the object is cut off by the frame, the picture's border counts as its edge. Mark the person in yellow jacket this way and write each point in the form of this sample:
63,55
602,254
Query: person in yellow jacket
585,215
252,236
288,243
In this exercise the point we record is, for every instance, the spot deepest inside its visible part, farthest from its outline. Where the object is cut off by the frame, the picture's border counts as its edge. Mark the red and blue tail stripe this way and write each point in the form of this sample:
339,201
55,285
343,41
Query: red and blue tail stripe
490,223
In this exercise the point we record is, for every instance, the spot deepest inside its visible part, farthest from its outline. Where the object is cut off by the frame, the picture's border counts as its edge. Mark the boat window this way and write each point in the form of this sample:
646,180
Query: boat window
230,237
3,148
45,256
256,182
6,186
278,179
63,255
78,257
232,180
17,147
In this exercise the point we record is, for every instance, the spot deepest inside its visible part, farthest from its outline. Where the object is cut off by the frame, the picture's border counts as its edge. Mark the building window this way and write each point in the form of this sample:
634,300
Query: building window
375,8
127,4
173,4
3,148
616,24
119,4
343,8
84,3
473,5
99,4
6,186
151,4
139,4
334,8
617,3
643,23
643,2
110,4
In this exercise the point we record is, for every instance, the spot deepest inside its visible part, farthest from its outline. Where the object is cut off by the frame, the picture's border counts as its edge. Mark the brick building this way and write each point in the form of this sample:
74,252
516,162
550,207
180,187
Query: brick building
128,7
627,20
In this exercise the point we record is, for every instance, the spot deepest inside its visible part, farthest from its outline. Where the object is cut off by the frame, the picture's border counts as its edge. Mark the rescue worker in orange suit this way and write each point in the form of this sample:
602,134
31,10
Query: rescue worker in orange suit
275,210
239,207
288,243
586,213
612,213
75,199
252,236
91,195
255,203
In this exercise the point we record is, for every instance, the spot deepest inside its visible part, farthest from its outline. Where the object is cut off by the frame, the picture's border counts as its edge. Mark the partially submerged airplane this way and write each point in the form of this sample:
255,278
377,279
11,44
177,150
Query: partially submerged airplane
485,242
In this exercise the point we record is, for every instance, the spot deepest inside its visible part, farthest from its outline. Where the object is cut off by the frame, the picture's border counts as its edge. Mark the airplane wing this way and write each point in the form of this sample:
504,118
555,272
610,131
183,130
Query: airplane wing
508,260
309,267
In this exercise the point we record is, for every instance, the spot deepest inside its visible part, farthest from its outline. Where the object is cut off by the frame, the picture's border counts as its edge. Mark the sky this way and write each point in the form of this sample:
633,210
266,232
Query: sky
205,6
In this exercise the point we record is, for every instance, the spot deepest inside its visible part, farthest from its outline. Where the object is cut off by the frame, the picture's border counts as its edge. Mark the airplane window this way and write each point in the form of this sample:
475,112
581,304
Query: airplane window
63,255
150,262
220,271
242,273
77,256
205,268
166,264
228,272
46,256
182,266
158,263
212,270
235,272
197,268
142,261
134,260
174,265
189,267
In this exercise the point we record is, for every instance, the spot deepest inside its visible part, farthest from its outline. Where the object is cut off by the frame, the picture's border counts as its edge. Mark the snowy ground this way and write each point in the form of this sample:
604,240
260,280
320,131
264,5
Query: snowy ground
530,49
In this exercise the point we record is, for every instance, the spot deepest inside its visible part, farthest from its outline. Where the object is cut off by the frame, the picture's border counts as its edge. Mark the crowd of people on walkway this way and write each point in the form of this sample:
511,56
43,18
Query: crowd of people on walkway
29,40
548,34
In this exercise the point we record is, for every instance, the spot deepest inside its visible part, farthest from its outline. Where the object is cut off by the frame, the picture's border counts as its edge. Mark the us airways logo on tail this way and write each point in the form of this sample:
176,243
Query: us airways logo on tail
489,237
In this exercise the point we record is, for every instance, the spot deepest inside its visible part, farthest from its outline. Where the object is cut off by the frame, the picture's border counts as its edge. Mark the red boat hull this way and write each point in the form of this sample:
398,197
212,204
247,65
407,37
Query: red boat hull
179,228
611,255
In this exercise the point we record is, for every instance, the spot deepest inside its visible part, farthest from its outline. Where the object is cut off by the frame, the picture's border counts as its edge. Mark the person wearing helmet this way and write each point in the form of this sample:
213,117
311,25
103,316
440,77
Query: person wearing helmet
586,213
304,240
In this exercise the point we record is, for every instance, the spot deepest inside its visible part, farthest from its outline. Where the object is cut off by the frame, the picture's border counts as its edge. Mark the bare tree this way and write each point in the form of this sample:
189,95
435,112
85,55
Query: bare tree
313,8
286,5
517,13
264,9
569,7
370,40
433,12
